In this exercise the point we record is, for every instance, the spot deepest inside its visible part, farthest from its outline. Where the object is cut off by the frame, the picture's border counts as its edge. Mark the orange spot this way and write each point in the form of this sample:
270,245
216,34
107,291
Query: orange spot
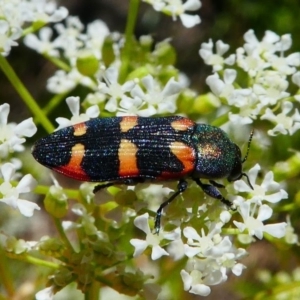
79,129
186,155
128,123
127,157
73,168
182,124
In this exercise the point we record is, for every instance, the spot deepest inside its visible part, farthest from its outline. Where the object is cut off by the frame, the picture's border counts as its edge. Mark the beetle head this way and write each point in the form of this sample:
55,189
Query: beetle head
237,170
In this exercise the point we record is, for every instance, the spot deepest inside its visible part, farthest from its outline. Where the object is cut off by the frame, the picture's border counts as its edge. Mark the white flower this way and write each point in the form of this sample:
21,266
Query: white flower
270,87
162,101
62,81
8,36
15,14
247,101
285,65
176,247
254,224
267,45
11,134
257,56
153,194
285,124
10,194
225,216
291,237
68,36
251,57
87,222
211,244
134,106
210,258
296,78
216,60
74,106
222,88
152,240
114,89
269,190
193,283
42,44
45,294
228,262
238,120
178,9
97,31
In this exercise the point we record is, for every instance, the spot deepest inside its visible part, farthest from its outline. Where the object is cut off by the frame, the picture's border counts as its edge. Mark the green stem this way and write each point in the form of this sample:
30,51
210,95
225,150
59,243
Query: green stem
43,189
129,31
62,234
93,291
41,262
33,28
24,94
231,231
58,62
272,293
52,104
5,277
220,120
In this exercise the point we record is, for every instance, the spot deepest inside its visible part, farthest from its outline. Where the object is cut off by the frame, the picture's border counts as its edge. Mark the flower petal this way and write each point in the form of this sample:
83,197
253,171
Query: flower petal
158,252
4,112
141,222
139,246
27,207
276,230
7,171
26,184
26,128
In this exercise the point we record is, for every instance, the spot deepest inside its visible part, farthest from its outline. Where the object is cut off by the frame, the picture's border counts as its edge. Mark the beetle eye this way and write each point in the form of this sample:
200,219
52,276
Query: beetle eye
236,173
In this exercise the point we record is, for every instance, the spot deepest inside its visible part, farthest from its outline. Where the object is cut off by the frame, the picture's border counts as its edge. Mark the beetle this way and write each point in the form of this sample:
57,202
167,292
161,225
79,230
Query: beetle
130,150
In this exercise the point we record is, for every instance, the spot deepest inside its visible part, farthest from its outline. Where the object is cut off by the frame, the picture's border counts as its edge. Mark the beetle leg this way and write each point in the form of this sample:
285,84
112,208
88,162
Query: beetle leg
128,181
99,187
133,181
212,191
181,187
216,184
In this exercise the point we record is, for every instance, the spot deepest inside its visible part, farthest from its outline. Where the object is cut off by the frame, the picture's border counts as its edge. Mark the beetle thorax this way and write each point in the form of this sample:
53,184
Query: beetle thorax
217,155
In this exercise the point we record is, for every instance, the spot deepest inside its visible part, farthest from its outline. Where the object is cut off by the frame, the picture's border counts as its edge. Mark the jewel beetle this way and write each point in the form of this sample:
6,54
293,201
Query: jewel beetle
130,150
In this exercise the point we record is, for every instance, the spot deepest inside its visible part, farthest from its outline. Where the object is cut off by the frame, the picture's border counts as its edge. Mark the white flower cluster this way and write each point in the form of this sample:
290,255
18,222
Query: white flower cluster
12,134
70,44
164,100
131,99
144,97
11,195
15,14
11,140
254,211
267,96
211,254
74,106
176,8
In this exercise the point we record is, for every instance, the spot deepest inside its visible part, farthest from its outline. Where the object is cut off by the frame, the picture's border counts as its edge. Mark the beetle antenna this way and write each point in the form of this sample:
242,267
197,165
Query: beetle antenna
244,174
249,143
246,156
